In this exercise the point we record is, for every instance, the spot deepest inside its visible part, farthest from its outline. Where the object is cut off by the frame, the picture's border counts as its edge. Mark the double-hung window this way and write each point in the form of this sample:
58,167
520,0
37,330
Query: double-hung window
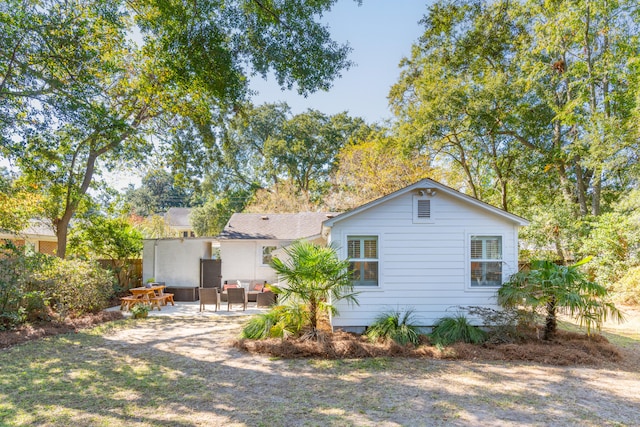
363,260
486,261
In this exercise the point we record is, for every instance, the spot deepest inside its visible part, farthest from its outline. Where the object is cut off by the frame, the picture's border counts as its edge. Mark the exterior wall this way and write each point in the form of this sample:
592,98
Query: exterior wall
47,247
174,261
242,260
43,244
426,266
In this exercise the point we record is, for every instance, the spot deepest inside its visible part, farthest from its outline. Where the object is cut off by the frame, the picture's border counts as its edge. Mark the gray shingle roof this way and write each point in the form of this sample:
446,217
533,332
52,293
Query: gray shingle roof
275,226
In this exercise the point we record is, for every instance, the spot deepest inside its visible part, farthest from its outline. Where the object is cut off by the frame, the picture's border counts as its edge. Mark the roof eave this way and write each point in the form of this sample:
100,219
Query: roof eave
434,184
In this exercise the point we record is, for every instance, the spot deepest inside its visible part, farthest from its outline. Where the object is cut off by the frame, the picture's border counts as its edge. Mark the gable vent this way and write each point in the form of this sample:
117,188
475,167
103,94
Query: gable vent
424,209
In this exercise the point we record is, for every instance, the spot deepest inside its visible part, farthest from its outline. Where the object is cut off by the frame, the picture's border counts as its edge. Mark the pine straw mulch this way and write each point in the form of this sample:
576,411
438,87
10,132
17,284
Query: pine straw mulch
568,348
32,331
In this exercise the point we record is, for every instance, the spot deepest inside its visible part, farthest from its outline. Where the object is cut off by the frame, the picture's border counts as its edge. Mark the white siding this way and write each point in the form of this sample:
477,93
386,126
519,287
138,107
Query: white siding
174,261
425,267
242,260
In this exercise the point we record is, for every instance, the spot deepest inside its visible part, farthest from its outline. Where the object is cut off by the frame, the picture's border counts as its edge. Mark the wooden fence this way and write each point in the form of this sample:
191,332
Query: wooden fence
128,272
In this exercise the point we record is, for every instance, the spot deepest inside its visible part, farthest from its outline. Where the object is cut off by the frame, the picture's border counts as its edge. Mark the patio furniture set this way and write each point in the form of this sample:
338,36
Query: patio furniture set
233,293
152,294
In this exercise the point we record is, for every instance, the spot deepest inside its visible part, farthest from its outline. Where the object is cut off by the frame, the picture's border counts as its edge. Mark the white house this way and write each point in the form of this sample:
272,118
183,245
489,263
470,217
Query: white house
248,241
426,247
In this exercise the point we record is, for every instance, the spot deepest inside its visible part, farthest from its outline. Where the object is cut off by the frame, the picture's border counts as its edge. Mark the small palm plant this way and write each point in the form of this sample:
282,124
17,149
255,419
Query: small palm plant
279,322
396,326
449,330
314,277
550,287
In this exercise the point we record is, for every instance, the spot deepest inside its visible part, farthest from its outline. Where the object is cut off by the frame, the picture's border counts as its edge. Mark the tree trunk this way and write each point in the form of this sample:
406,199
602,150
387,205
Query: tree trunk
62,228
551,324
581,187
313,316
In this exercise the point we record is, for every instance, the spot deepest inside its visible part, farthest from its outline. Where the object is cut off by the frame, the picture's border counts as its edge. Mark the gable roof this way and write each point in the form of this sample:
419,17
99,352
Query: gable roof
426,184
289,226
178,217
37,229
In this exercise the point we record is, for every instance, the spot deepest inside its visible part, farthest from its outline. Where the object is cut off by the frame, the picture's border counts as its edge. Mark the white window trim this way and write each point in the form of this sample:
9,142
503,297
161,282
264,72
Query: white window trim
467,258
345,239
416,220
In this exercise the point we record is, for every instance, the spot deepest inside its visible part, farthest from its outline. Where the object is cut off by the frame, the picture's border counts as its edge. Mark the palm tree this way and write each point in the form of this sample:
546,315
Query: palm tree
550,287
314,277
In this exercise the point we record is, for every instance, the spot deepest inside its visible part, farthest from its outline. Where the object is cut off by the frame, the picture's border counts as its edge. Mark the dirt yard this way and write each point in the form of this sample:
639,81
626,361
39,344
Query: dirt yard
248,389
186,371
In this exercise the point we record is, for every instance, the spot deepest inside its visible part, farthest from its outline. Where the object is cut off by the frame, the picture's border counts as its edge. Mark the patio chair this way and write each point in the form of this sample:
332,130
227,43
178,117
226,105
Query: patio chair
236,296
209,296
265,299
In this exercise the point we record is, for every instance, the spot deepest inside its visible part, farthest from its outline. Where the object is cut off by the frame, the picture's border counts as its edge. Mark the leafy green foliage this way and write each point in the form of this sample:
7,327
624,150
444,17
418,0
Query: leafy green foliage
19,302
157,193
614,240
104,237
627,289
19,203
549,287
279,322
503,324
12,277
532,107
273,155
78,97
210,219
140,311
112,239
449,330
314,277
396,326
73,286
373,166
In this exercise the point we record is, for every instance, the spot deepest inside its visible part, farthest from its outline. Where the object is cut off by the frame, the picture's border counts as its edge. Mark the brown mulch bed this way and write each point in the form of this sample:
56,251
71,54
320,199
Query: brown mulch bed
568,348
43,329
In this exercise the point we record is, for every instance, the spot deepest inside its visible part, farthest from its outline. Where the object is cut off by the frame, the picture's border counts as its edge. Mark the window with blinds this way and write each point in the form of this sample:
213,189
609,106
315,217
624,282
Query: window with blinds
362,252
486,260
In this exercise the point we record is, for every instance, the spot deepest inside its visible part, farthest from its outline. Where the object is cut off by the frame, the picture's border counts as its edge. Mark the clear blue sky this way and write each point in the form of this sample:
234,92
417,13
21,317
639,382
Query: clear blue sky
381,33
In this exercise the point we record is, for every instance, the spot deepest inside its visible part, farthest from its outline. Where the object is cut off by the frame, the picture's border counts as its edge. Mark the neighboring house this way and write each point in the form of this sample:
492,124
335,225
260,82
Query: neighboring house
426,247
178,220
248,241
38,235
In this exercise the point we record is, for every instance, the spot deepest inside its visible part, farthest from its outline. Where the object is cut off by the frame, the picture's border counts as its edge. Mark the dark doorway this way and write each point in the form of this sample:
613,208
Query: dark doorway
210,273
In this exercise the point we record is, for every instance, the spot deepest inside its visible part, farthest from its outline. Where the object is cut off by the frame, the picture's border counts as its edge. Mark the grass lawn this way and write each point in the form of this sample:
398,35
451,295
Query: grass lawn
184,372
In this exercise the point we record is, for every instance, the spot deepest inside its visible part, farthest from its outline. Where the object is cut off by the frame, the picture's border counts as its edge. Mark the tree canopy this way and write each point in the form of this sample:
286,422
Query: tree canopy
533,105
78,94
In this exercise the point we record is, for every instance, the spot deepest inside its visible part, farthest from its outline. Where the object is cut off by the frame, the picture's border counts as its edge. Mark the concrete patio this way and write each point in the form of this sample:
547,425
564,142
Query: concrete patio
191,309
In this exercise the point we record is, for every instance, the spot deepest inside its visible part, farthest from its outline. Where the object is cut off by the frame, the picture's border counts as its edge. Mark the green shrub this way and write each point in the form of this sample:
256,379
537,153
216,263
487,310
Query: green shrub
74,286
627,289
10,290
395,326
503,324
449,330
18,303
